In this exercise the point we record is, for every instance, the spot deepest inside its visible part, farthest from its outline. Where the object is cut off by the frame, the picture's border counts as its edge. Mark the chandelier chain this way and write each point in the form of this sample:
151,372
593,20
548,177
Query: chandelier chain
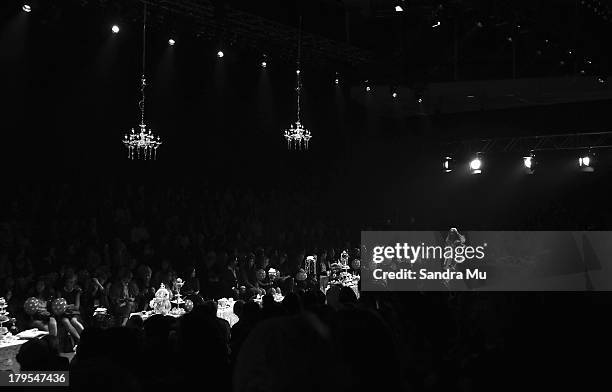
144,143
143,80
299,71
296,135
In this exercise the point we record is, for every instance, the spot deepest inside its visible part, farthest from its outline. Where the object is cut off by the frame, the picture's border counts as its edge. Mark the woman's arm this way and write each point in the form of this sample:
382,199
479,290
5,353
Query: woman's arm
77,300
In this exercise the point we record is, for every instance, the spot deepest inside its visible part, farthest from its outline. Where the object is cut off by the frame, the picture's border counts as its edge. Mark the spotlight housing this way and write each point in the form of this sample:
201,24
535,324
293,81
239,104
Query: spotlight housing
476,164
585,162
529,162
115,29
447,164
26,8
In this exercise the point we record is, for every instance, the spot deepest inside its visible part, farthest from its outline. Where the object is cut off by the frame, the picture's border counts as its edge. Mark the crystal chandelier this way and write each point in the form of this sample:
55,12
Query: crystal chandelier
296,135
142,144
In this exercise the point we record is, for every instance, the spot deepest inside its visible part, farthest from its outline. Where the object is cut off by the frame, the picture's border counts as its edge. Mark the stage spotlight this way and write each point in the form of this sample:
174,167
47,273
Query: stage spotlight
220,54
585,163
394,94
529,162
447,164
367,86
337,79
476,165
115,29
264,64
26,8
171,42
420,100
399,8
437,24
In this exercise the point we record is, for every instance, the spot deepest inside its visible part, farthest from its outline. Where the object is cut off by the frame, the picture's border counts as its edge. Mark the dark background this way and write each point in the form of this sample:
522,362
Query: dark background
70,90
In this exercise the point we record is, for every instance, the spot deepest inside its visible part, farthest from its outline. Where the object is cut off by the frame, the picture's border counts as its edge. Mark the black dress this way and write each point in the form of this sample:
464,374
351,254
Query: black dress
70,297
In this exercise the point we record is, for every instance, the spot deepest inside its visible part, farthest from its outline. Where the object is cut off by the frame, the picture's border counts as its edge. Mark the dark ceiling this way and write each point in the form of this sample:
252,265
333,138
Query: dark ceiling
68,80
367,39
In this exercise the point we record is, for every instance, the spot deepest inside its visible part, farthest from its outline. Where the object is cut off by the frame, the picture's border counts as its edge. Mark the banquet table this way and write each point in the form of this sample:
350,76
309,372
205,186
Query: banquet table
225,309
10,345
353,287
8,354
223,312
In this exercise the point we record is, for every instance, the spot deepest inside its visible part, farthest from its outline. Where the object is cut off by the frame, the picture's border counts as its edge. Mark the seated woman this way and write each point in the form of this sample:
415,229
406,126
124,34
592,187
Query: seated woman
262,283
43,320
72,294
192,282
100,288
122,296
146,290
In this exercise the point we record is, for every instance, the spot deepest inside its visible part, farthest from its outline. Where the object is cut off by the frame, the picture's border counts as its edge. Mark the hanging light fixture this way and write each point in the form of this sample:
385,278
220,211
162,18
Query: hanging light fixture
296,135
142,144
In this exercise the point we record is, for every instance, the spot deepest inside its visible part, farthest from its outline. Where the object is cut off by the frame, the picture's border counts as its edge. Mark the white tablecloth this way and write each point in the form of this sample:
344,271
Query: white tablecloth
8,354
226,313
